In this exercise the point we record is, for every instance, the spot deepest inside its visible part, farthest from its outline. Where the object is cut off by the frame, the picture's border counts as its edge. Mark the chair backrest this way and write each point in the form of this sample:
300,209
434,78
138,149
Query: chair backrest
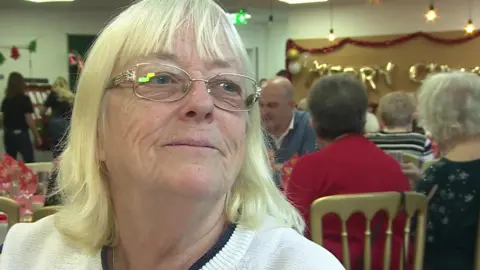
44,212
410,158
40,167
427,164
12,209
370,204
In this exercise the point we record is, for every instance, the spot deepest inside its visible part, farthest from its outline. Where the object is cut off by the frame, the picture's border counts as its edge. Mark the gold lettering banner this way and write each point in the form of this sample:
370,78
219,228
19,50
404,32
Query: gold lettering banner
370,75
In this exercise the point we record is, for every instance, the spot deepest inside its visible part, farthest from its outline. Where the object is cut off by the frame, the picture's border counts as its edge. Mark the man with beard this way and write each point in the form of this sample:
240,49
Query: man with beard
289,131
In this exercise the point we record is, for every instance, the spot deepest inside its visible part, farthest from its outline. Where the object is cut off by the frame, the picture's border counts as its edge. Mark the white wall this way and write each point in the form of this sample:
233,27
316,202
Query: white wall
390,17
50,28
19,27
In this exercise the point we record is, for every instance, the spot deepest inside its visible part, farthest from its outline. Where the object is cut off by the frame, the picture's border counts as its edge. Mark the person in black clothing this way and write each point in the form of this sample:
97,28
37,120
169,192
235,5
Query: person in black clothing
60,101
17,112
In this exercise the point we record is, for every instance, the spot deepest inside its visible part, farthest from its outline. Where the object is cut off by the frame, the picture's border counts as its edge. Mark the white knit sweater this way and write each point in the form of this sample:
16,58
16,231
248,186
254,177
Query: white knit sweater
39,246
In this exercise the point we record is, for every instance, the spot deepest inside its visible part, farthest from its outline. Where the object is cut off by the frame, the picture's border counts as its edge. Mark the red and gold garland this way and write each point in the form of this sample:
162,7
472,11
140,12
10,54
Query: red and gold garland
378,44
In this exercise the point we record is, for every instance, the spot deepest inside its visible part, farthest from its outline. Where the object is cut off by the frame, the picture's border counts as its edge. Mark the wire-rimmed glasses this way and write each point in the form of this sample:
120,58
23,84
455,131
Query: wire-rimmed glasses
167,83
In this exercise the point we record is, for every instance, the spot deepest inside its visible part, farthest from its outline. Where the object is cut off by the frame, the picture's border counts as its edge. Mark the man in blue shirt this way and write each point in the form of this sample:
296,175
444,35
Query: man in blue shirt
288,131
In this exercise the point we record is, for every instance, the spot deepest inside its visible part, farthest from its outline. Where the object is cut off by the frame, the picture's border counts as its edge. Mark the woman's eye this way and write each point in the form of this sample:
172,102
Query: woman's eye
162,79
230,87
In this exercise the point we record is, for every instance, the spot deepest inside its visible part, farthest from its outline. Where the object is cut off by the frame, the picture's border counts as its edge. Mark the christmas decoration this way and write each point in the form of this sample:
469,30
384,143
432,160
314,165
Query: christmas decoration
75,59
2,59
379,44
371,75
14,53
32,46
293,54
383,44
72,59
294,67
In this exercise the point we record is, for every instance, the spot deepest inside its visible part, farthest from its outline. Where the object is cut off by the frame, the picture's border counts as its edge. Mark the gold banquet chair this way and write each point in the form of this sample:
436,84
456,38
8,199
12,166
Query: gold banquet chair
410,158
38,167
369,205
427,164
12,209
44,212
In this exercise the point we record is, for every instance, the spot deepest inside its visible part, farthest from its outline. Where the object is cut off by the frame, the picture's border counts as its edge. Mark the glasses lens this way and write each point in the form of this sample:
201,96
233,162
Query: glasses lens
233,91
159,82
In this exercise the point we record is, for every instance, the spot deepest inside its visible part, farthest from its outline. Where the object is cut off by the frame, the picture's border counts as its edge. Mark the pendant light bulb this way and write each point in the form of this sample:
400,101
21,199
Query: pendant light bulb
431,14
331,35
470,27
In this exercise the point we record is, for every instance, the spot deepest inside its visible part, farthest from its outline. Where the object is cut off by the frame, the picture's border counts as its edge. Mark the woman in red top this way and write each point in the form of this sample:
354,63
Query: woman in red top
348,163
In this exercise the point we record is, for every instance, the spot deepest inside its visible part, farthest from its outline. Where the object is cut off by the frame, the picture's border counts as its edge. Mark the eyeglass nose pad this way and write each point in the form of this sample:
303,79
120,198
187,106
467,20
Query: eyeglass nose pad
186,87
207,85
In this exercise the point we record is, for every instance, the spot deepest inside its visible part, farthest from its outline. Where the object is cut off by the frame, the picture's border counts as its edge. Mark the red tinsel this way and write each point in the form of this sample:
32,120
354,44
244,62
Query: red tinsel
380,44
14,53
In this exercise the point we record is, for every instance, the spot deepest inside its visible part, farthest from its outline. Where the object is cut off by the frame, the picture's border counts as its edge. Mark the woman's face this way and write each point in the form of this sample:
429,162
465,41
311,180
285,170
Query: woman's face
150,146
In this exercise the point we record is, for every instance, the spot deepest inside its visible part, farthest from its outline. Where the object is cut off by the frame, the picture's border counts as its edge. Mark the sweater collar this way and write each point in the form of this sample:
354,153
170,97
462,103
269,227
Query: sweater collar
229,249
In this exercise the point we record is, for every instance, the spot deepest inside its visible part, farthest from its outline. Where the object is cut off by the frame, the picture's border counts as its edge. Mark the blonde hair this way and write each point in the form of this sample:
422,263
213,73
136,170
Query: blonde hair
449,106
87,219
61,88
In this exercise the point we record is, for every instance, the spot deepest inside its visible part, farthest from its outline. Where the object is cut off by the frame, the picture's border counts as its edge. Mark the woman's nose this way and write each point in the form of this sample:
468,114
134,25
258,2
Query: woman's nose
199,104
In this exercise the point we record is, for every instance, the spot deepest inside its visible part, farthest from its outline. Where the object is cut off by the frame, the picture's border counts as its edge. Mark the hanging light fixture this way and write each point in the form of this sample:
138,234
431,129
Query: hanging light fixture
470,27
431,14
270,18
331,35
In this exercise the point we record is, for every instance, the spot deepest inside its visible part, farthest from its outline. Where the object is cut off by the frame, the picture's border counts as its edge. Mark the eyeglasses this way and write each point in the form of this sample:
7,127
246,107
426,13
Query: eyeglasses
168,83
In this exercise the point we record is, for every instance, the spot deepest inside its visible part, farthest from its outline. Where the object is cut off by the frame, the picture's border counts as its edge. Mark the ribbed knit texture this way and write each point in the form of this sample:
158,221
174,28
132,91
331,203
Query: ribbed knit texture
39,246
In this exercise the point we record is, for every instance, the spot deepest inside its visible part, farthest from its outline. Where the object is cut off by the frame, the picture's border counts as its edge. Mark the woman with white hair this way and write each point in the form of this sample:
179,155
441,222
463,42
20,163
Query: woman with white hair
166,166
449,107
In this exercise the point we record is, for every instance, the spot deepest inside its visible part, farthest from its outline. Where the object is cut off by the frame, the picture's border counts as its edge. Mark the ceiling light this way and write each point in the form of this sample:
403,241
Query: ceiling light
431,14
469,28
49,1
293,2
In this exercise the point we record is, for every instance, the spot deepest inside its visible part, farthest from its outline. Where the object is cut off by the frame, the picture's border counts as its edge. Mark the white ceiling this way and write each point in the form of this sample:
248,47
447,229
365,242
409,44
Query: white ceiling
115,4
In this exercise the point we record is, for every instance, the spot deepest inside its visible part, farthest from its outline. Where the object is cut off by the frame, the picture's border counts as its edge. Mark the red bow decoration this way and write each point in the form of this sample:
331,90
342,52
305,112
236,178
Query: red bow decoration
14,53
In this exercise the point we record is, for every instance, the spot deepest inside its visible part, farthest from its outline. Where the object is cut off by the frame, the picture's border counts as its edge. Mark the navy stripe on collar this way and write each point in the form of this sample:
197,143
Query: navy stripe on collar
222,241
208,256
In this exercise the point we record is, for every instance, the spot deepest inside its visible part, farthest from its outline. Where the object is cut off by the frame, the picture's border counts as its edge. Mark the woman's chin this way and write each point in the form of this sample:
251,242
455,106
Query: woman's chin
198,181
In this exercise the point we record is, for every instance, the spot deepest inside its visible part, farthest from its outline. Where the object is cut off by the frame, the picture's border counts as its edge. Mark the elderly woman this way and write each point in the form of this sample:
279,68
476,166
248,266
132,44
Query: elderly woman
449,107
396,112
348,163
166,167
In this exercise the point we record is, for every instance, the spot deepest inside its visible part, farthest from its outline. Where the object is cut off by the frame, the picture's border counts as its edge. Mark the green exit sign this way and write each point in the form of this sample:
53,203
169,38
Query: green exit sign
240,17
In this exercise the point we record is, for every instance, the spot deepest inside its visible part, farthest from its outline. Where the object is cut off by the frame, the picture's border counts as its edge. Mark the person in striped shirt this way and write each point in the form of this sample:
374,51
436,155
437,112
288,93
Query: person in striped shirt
396,113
